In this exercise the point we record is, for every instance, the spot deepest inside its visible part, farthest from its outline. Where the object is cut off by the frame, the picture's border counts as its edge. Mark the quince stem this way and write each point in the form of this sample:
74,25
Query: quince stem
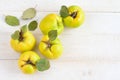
74,14
21,36
28,62
48,43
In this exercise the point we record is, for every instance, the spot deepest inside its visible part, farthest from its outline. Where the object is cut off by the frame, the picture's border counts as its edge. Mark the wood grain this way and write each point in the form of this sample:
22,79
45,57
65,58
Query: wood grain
47,5
63,70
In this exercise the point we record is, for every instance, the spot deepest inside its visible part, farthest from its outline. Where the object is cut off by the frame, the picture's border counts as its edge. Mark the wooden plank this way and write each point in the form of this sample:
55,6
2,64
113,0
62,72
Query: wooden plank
95,23
77,70
82,47
91,52
47,5
97,38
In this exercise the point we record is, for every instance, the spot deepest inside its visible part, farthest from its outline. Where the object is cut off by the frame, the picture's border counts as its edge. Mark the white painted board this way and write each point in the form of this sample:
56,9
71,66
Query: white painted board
91,52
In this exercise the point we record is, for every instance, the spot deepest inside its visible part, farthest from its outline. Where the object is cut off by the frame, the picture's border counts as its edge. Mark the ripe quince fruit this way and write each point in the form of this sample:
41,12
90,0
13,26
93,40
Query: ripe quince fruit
75,16
27,62
51,22
25,42
50,49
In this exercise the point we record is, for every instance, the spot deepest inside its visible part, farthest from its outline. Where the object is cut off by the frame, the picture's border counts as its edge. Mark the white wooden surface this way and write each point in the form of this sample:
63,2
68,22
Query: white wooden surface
91,52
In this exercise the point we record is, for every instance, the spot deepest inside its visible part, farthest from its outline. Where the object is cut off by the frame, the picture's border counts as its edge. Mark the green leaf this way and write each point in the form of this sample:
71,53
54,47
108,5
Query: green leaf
15,35
64,11
29,13
24,28
12,20
43,64
52,35
33,25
